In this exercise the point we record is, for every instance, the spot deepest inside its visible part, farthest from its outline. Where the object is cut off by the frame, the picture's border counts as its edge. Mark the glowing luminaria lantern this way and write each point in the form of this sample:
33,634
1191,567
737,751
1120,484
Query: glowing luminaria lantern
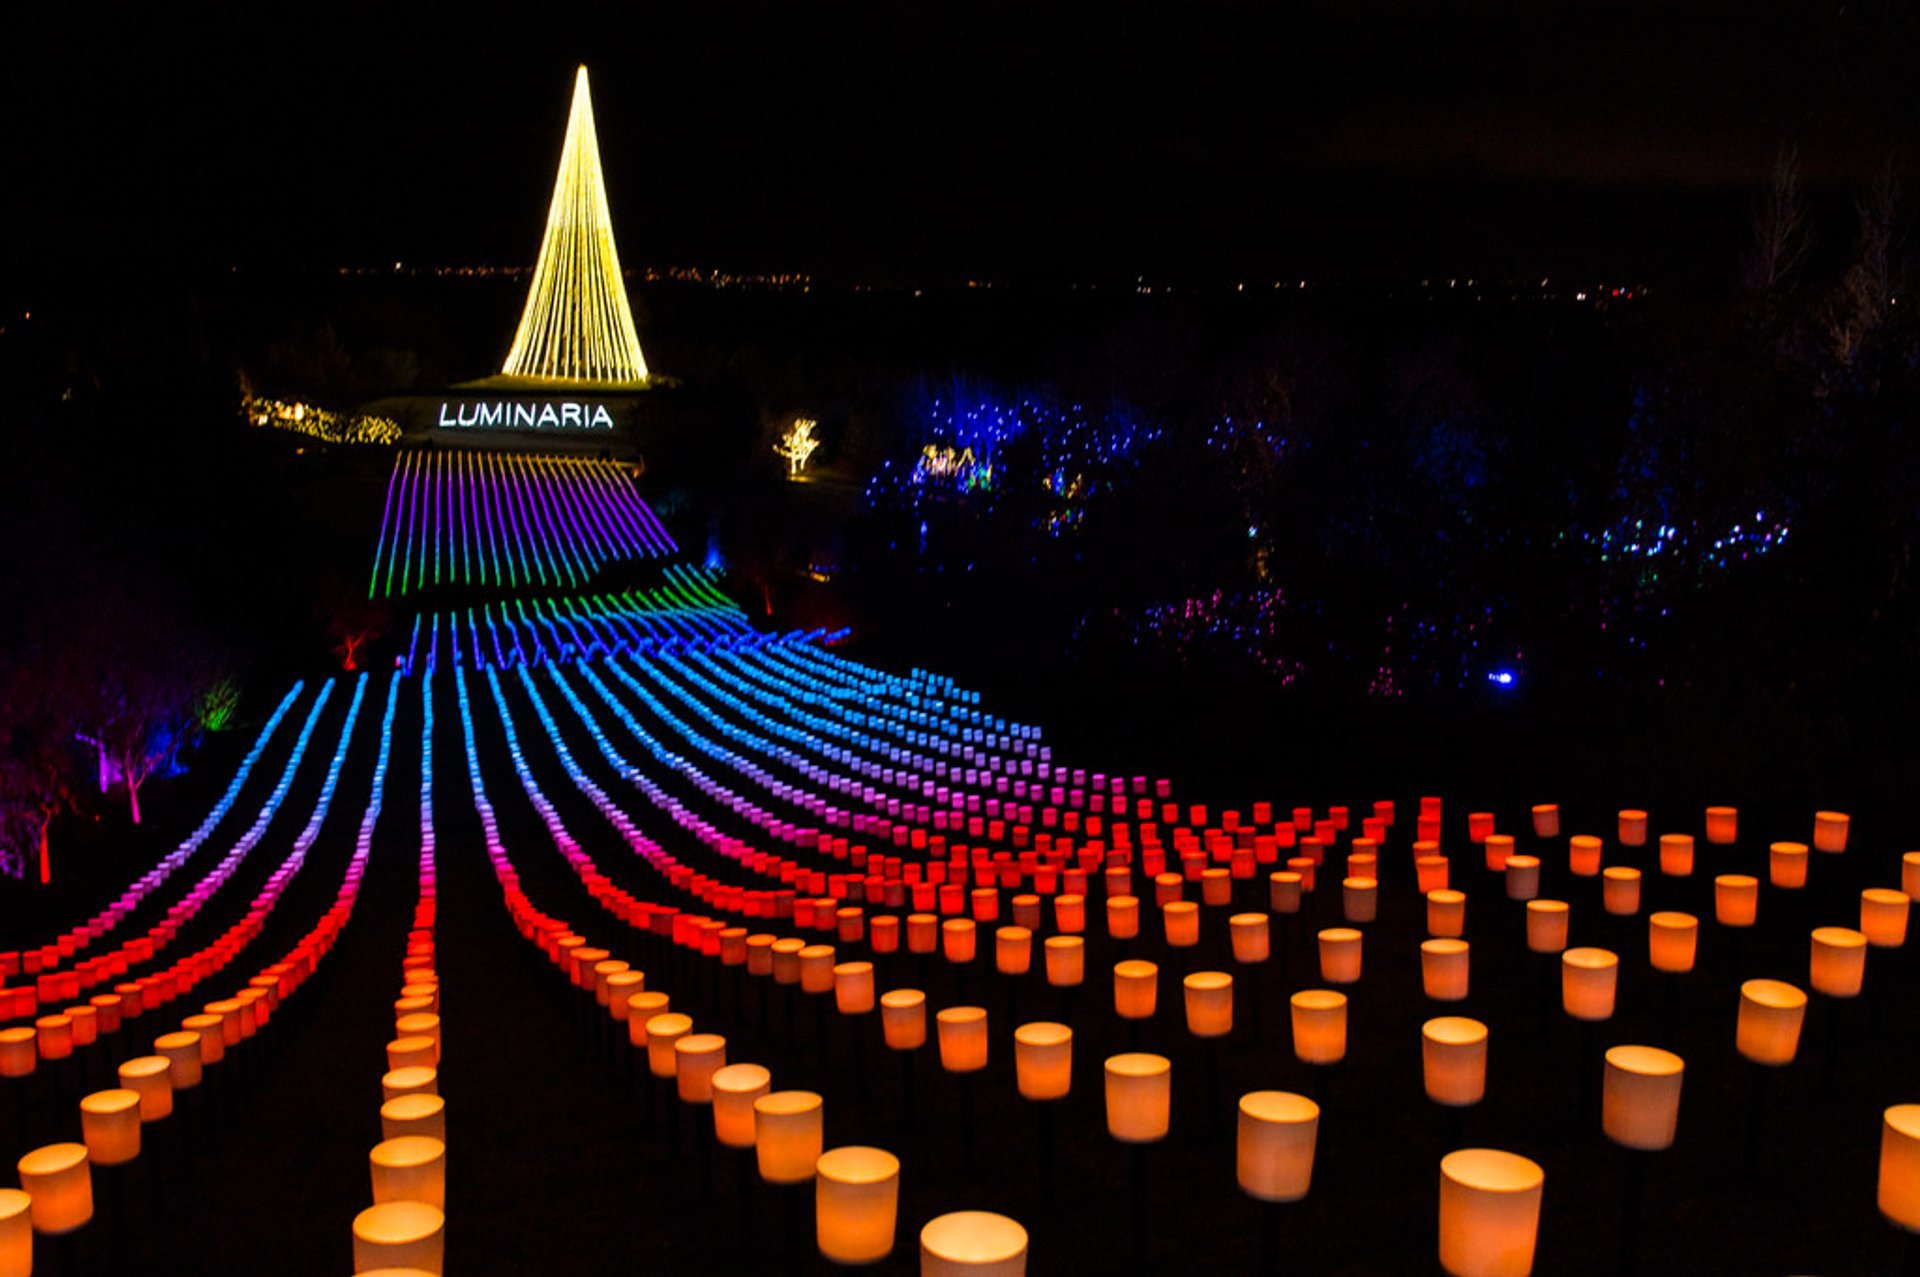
816,968
1583,855
416,1114
963,1038
151,1076
1444,969
1277,1132
1640,1098
1838,964
1910,875
735,1088
412,1168
1319,1019
957,939
417,1080
1123,917
110,1124
1447,913
1523,877
1066,958
853,988
1899,1194
1723,825
1283,891
1830,831
1209,997
1340,955
1136,989
1139,1097
1673,940
1453,1057
60,1181
1546,820
1736,900
1787,865
18,1054
1043,1060
856,1202
642,1008
400,1234
1181,920
16,1233
1499,852
697,1057
1250,936
1360,899
973,1243
1771,1013
1430,873
1676,855
903,1018
1588,978
1489,1213
1547,925
1013,950
788,1132
184,1065
1620,890
662,1032
1633,828
1883,917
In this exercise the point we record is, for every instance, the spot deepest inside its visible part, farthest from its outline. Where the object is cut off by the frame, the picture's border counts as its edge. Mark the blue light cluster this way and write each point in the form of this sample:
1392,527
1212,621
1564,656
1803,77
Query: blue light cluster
1243,628
1688,548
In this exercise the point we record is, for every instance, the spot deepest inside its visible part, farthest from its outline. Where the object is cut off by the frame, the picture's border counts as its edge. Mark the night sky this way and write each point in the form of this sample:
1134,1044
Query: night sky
902,141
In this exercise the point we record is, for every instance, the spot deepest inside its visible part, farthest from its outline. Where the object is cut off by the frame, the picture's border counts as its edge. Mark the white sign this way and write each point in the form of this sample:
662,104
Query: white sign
524,414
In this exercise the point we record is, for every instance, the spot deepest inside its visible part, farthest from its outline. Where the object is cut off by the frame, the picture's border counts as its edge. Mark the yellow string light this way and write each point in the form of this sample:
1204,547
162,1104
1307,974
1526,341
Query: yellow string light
577,325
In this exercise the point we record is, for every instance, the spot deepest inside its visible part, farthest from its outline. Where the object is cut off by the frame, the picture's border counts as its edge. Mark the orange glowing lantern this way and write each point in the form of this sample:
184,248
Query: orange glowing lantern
1319,1026
1676,855
1340,955
1523,877
1430,873
19,1055
1209,997
1013,950
957,939
1283,891
1489,1213
1453,1058
1547,925
1066,958
1620,890
1910,875
184,1065
1360,899
1251,937
60,1181
760,954
853,988
152,1077
816,968
1136,989
1447,913
1546,820
973,1243
662,1032
786,959
1830,831
416,1114
1736,900
856,1203
1444,969
417,1080
1673,941
1723,825
405,1235
1883,917
1899,1194
1139,1097
1043,1060
1277,1132
1640,1098
1216,886
1070,912
110,1125
16,1233
1838,966
1499,852
735,1088
412,1168
1583,855
697,1057
1588,979
1123,917
903,1019
1633,828
963,1038
788,1130
1771,1013
1787,865
642,1007
923,932
418,1049
1181,919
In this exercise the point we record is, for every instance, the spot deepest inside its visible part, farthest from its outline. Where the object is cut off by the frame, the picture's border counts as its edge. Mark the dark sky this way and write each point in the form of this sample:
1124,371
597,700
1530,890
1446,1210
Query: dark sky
911,138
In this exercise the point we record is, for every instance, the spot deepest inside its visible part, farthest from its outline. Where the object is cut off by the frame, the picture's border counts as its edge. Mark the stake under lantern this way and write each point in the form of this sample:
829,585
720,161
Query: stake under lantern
1489,1213
1274,1157
963,1053
973,1243
1139,1095
856,1204
1043,1070
1639,1110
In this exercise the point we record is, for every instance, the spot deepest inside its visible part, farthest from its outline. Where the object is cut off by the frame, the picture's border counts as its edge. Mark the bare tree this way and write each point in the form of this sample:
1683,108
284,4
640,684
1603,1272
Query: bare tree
1866,290
1781,234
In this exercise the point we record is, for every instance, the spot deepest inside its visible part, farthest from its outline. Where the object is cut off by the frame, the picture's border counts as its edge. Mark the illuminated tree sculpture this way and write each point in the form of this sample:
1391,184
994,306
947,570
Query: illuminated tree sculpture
798,444
577,325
